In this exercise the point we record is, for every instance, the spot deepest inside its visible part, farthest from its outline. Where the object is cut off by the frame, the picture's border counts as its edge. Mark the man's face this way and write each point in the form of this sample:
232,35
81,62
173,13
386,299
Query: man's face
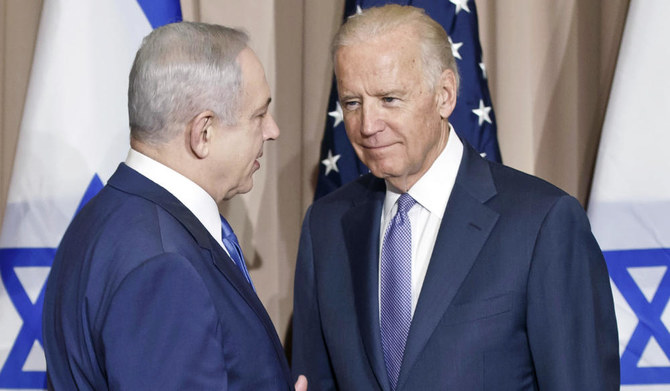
396,123
237,148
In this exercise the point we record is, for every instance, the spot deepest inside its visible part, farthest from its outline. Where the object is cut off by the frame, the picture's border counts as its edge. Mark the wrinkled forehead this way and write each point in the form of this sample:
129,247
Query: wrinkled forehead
401,42
385,53
376,33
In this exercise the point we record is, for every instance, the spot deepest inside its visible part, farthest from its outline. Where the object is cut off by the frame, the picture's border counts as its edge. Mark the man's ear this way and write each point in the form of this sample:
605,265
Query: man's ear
201,133
446,94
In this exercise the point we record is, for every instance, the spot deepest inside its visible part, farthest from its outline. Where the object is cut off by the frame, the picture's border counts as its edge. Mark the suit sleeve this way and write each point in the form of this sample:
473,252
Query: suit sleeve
310,356
571,322
161,329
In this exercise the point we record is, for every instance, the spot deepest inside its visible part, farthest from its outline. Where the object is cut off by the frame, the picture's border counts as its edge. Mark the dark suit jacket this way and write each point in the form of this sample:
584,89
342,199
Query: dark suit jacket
516,296
141,297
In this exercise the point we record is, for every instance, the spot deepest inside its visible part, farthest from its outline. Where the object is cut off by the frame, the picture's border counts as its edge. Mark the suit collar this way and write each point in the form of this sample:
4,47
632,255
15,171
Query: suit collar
130,181
474,175
466,226
189,193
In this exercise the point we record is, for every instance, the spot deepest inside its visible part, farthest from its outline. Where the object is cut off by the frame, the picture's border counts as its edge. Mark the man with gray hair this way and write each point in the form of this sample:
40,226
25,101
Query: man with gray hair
149,289
441,270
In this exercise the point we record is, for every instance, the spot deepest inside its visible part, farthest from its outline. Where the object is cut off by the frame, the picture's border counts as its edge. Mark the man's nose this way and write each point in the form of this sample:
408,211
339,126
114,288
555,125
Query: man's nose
270,130
371,121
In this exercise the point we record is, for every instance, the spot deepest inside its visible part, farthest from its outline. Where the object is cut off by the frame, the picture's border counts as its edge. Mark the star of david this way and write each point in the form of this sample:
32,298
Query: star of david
12,374
648,312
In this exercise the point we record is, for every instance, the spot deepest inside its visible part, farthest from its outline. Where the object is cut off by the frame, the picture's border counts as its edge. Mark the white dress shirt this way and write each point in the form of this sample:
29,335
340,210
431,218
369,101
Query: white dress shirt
194,197
431,193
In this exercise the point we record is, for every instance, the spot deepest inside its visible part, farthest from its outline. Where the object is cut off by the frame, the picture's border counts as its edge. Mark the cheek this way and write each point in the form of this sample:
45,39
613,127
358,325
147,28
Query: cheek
352,128
249,140
238,152
427,122
350,119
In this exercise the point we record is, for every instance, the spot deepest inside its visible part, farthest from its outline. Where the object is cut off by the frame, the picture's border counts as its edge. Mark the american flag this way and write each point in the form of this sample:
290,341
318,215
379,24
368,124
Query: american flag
473,117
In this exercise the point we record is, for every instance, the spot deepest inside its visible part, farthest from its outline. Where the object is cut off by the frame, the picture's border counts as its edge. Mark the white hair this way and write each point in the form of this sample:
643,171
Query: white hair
181,70
436,52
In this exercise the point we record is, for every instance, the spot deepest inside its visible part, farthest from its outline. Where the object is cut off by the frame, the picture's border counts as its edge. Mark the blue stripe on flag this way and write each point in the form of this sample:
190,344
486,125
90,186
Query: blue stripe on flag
12,374
93,188
648,313
161,12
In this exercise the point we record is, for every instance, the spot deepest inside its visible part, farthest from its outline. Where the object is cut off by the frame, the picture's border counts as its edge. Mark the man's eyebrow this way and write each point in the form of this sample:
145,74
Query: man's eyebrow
392,92
263,107
398,92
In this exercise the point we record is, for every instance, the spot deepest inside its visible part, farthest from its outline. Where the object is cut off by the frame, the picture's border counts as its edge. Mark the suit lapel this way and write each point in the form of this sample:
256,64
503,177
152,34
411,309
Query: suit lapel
361,230
130,181
465,227
227,267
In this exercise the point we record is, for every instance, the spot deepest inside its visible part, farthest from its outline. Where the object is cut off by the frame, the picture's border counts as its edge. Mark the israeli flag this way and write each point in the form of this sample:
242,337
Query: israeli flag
630,198
73,135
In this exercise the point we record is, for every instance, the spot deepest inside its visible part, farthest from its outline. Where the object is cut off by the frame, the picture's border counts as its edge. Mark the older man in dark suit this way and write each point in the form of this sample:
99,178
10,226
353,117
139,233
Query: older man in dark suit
149,290
441,270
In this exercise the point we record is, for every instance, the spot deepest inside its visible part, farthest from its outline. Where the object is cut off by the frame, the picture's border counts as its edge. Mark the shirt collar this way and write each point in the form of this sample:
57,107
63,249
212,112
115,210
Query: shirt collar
433,189
194,197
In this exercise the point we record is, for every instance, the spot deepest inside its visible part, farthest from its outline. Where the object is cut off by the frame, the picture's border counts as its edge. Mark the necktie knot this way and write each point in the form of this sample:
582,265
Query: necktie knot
231,244
405,203
227,230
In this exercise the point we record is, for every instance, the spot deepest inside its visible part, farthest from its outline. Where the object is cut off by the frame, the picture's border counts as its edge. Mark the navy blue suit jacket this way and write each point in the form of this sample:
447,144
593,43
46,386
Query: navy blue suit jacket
141,297
516,296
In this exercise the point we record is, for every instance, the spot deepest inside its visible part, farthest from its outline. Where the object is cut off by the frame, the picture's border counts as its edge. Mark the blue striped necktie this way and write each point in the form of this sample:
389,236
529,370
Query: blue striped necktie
233,246
396,288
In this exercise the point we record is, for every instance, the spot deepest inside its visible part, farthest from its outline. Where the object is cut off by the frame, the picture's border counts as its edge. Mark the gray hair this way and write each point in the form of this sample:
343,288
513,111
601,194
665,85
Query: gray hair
181,70
436,52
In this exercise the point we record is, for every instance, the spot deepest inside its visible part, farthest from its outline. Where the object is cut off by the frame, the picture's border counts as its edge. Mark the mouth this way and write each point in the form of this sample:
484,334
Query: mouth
374,148
257,164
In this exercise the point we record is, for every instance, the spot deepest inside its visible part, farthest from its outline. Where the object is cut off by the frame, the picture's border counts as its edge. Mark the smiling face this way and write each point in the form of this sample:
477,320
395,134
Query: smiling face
236,148
396,123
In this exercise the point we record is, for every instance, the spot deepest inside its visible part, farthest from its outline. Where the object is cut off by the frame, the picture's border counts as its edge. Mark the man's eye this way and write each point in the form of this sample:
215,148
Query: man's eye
350,105
389,99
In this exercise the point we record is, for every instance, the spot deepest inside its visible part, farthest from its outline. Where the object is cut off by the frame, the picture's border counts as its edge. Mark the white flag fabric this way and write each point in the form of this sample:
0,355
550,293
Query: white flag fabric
629,206
73,134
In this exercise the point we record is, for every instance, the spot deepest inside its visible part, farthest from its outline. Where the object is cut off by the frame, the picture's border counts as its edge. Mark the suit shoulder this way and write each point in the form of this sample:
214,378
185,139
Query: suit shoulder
511,180
524,197
124,214
122,227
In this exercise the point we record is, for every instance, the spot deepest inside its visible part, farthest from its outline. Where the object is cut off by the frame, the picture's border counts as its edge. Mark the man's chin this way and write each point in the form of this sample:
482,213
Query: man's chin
240,189
380,171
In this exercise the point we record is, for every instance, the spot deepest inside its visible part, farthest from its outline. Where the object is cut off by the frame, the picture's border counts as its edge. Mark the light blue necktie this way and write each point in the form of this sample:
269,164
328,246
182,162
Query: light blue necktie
233,246
396,288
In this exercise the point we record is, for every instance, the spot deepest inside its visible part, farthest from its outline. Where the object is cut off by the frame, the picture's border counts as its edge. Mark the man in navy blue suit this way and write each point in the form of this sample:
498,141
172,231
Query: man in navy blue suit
441,270
149,290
